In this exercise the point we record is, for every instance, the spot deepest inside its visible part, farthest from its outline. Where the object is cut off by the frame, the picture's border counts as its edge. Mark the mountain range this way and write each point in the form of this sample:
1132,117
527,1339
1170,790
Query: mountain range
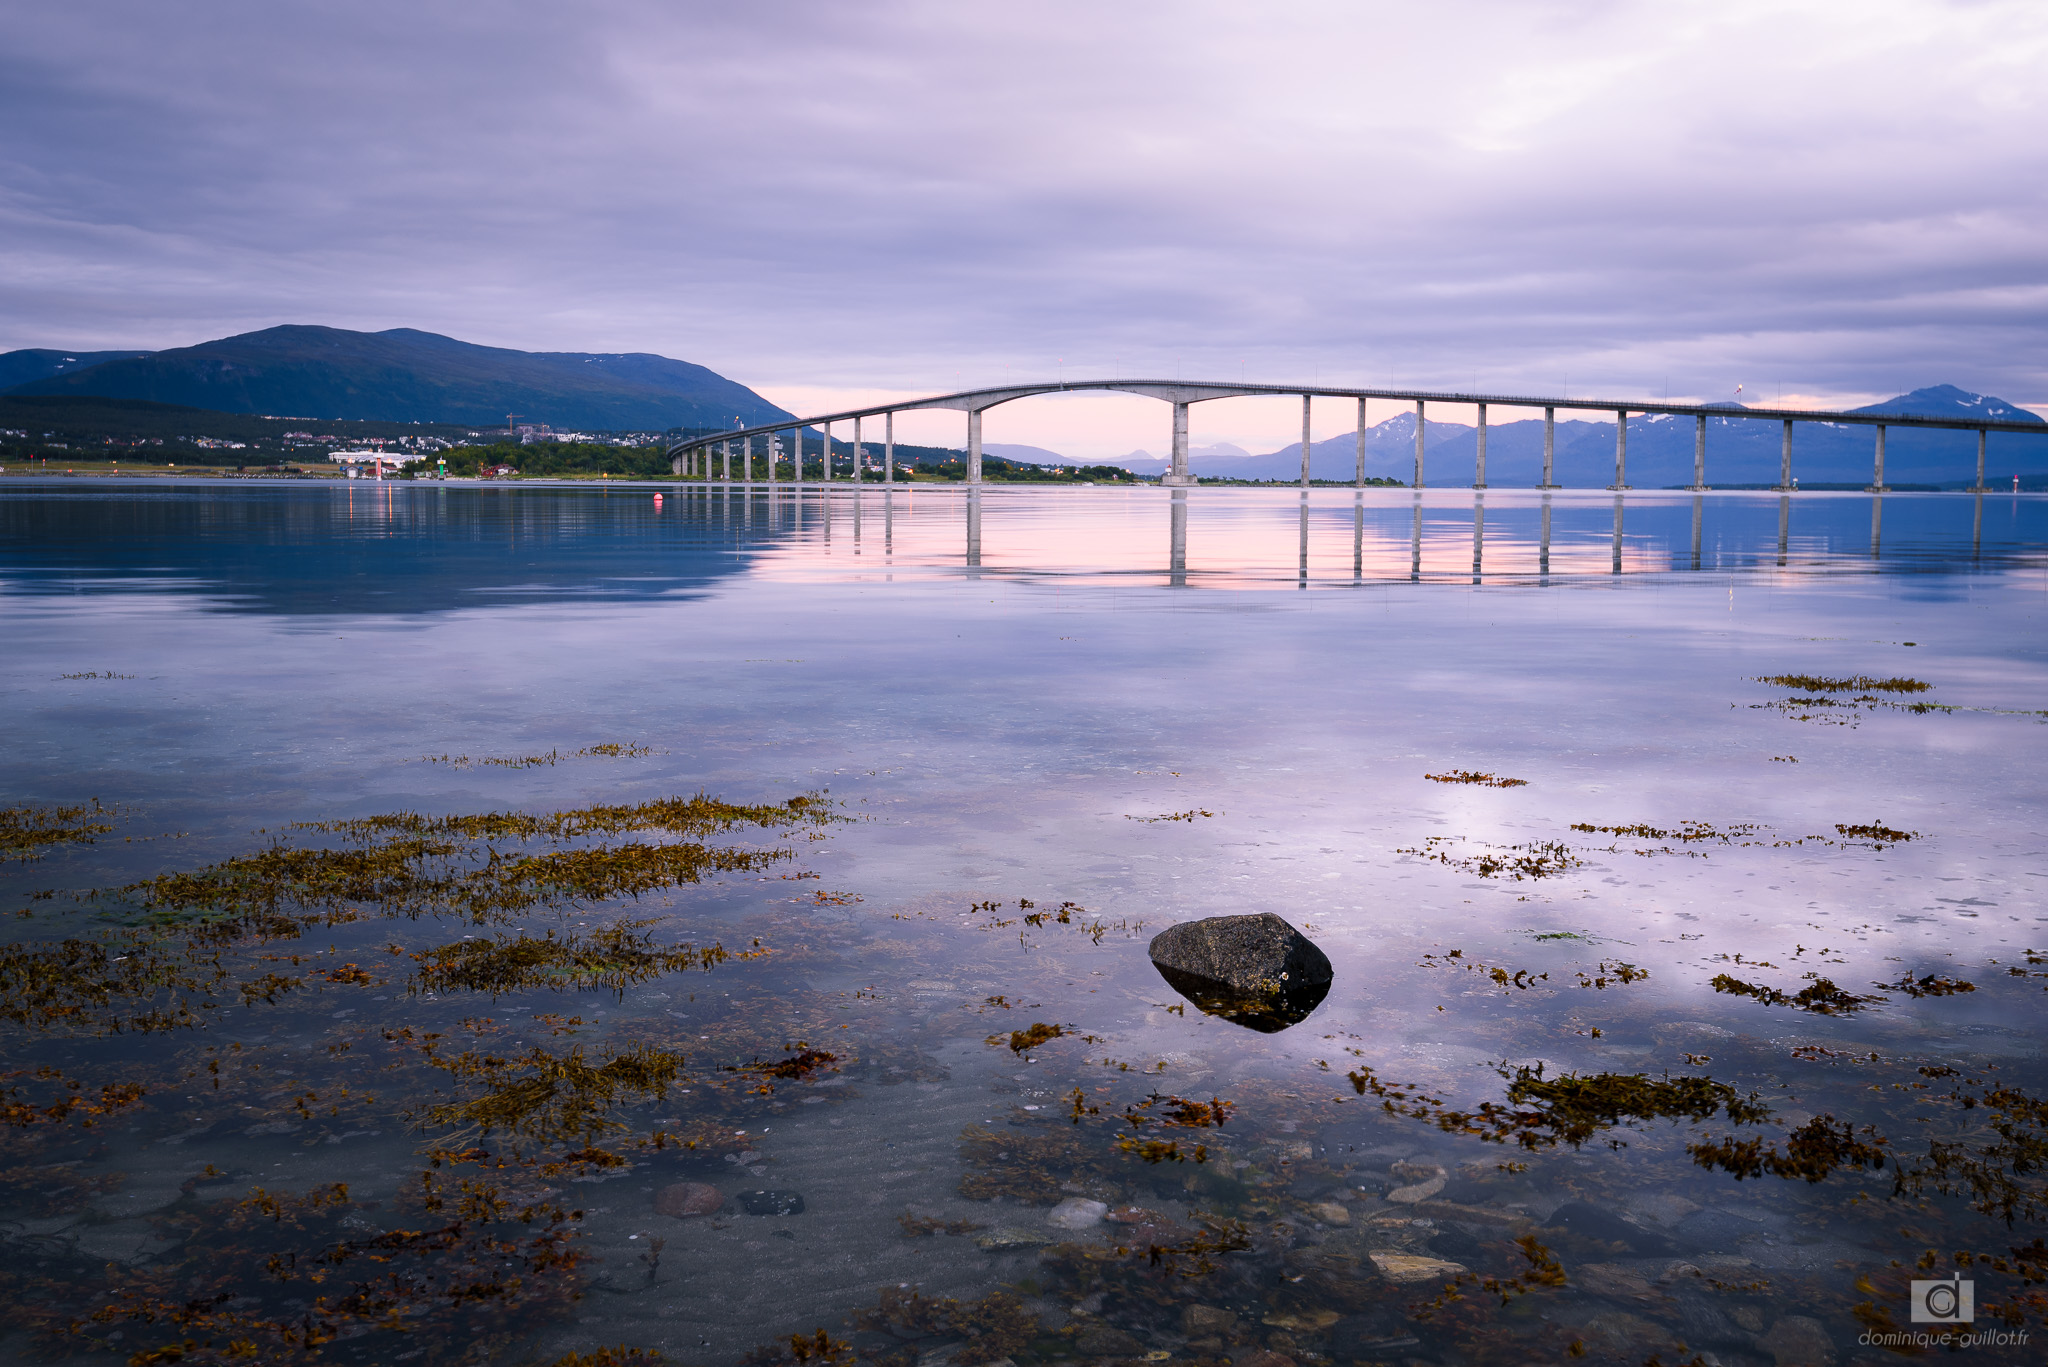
1660,449
401,375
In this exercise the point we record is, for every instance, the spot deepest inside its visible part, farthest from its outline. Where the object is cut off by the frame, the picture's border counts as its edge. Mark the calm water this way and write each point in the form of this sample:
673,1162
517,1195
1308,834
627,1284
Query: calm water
1688,1046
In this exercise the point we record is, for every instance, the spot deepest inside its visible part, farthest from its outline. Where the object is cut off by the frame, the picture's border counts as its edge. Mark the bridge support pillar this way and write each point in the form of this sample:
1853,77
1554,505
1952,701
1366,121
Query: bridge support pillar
974,470
1177,462
1177,541
1549,456
888,448
1360,479
1785,461
1699,455
856,458
826,460
1978,487
1877,485
1421,427
747,460
675,467
1479,471
1307,404
725,450
1620,451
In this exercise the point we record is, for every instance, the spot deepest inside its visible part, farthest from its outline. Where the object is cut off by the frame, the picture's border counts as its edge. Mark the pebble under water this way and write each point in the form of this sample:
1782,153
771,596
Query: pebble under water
536,925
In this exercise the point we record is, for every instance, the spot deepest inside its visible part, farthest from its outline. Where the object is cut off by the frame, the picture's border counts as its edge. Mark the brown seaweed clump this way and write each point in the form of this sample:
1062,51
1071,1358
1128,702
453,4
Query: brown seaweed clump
554,1097
1927,985
479,867
1855,683
107,985
1484,780
1539,859
613,958
1023,1041
1821,996
1811,1152
27,832
274,1278
1876,832
1543,1112
1027,1167
621,1356
996,1326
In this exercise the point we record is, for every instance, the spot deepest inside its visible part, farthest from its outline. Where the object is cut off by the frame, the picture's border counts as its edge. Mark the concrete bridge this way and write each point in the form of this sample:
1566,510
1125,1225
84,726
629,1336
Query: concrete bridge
693,457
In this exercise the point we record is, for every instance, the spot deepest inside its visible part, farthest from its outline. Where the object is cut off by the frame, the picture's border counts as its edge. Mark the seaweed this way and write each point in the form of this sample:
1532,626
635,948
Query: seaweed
1544,1270
994,1327
1178,1111
1929,985
275,1278
796,1067
1812,1152
1540,859
1160,1150
1023,1041
1522,979
2003,1177
1028,1168
1821,996
1855,683
613,958
1612,971
26,833
621,1356
1188,815
406,864
1687,831
107,985
1469,776
1196,1257
1543,1112
1876,832
552,1097
608,750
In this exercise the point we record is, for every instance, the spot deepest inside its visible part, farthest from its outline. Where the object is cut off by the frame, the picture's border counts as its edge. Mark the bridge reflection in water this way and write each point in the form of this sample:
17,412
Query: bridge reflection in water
1328,538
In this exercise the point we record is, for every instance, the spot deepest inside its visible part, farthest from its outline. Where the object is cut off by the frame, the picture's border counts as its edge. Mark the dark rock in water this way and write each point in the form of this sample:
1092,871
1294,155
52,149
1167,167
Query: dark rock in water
772,1202
1374,1334
1456,1245
1588,1220
1256,971
1719,1227
1103,1341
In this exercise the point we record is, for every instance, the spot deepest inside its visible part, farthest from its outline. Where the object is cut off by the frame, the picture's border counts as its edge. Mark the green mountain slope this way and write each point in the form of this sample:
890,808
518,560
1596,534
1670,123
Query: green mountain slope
404,375
39,363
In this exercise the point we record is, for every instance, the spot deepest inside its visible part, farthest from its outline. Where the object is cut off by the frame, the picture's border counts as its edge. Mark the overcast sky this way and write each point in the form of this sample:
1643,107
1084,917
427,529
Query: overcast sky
1835,201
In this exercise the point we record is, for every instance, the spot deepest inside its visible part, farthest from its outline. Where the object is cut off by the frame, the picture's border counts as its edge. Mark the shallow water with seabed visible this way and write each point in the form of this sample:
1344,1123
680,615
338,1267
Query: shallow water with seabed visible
1704,1040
